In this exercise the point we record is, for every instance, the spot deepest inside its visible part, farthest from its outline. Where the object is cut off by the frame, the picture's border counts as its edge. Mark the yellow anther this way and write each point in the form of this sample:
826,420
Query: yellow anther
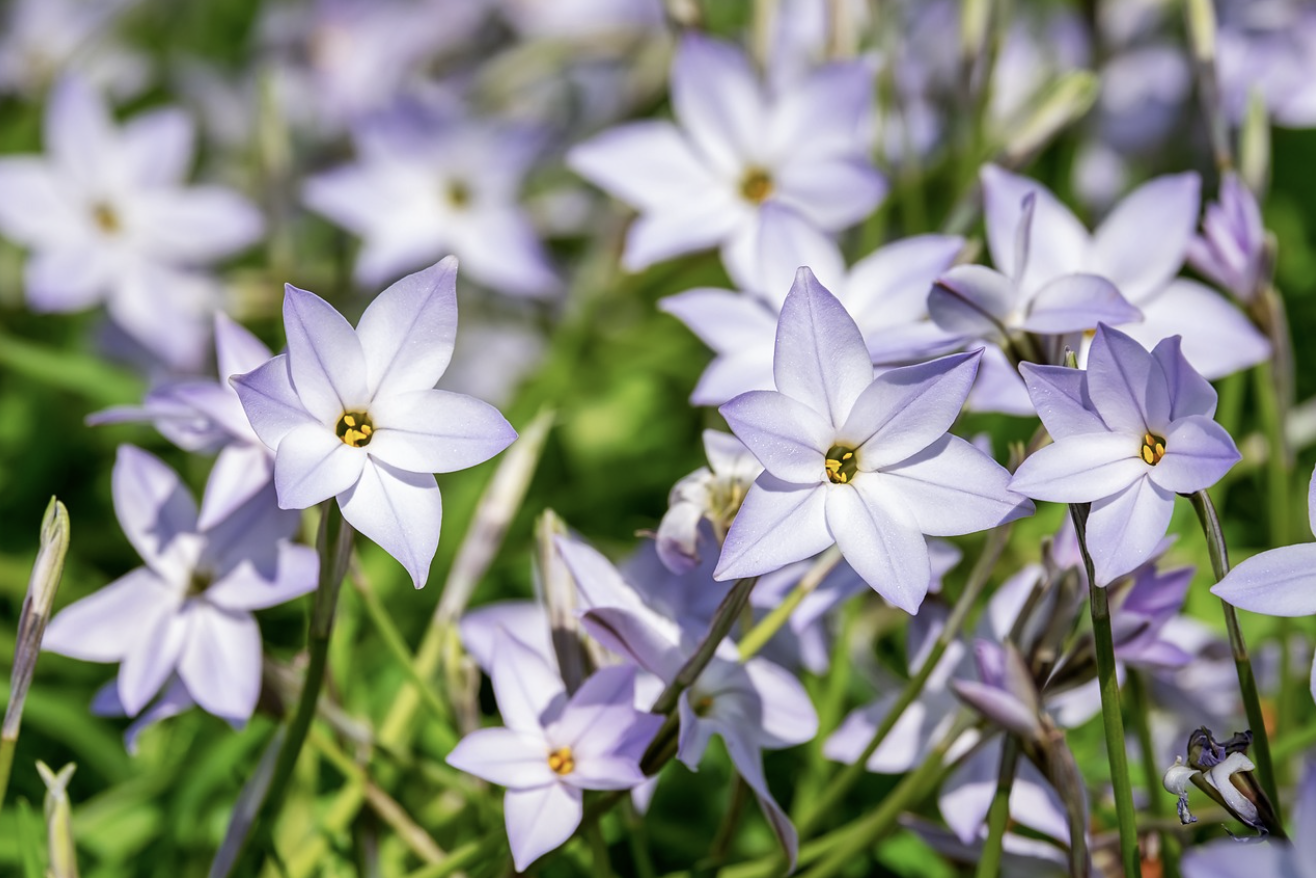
756,185
457,194
355,429
841,465
1153,449
106,219
561,761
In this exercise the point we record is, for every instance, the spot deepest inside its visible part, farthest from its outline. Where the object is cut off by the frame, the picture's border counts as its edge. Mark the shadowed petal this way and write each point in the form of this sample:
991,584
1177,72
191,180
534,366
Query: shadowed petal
271,402
1075,303
788,715
529,691
407,333
788,437
220,662
150,661
952,488
1142,244
778,523
748,761
436,431
246,588
156,512
237,349
1126,384
1124,529
881,541
1060,395
973,300
324,356
400,511
821,359
1198,452
629,633
540,819
1080,469
1190,393
906,409
312,465
239,473
512,759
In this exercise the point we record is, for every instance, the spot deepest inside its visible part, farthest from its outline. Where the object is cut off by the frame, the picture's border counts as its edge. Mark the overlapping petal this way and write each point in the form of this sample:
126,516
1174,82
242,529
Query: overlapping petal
952,488
312,465
820,359
325,358
788,437
880,540
778,523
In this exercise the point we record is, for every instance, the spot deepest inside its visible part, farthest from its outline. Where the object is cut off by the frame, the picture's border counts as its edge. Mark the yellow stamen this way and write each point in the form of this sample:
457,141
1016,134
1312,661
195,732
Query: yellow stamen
841,465
756,185
106,219
355,429
561,761
1153,449
457,194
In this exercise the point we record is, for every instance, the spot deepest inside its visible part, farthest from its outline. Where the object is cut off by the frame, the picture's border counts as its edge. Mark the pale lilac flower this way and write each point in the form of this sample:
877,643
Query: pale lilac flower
424,187
352,413
43,39
107,218
886,293
1140,247
1295,858
856,461
710,493
735,148
1130,432
1280,582
1231,251
581,19
206,416
554,747
188,611
980,302
1268,48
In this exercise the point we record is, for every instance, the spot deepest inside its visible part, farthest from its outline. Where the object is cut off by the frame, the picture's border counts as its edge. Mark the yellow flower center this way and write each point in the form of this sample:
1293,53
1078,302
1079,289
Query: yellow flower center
756,185
841,464
561,761
457,194
355,429
1153,449
106,219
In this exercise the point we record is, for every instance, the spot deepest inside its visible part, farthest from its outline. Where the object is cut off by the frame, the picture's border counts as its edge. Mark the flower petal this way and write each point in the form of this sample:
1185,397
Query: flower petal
778,523
1217,339
820,358
748,760
832,193
1060,395
436,431
648,165
788,437
106,624
157,146
952,488
1076,303
696,224
1124,529
631,634
79,133
1281,582
881,541
1058,244
973,300
325,358
788,715
1080,469
220,662
400,511
197,225
1190,393
156,512
511,759
529,691
718,101
240,473
152,658
246,588
1142,243
407,333
763,261
540,820
904,410
1198,452
271,402
1126,384
312,465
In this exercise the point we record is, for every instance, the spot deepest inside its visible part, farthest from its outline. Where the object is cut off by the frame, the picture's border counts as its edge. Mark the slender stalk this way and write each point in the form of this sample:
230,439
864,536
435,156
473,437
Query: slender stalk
334,545
727,613
1137,689
989,862
761,633
638,840
1247,681
1112,720
849,775
598,849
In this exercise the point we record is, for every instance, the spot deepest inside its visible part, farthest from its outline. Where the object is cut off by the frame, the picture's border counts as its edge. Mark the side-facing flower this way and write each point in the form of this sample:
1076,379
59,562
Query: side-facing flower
735,149
1130,432
863,463
188,611
1231,250
353,413
712,492
553,747
108,219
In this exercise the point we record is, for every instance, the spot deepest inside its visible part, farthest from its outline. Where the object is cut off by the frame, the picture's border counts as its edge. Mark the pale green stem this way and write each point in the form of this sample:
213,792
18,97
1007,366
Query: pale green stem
989,861
1139,709
849,775
1247,681
1112,718
764,631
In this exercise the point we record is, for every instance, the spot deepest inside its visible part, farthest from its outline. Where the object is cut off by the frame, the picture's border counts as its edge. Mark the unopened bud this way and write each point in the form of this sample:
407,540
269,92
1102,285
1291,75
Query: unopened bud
1064,102
62,852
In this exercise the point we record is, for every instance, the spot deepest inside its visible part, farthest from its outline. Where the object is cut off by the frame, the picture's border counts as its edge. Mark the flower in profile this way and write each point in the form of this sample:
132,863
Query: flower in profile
863,463
1294,858
1222,770
711,493
736,148
107,218
422,187
188,611
554,747
353,413
1130,432
202,415
1231,250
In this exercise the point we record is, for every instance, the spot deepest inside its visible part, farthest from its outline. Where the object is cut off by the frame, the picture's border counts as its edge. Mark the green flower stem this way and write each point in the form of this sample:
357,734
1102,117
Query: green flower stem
761,633
1139,708
1247,681
334,545
831,709
727,613
989,862
977,581
1116,749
